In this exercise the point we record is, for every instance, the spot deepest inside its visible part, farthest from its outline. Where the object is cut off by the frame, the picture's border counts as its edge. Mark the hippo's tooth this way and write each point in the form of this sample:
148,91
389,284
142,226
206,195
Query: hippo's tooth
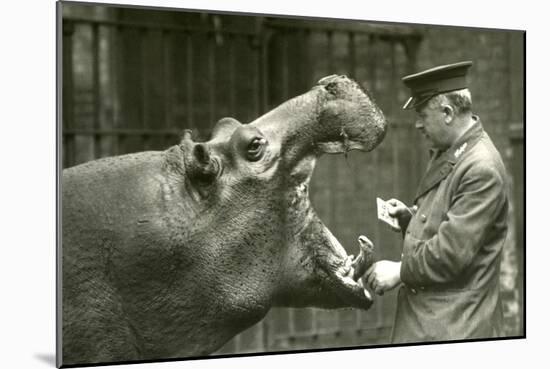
365,258
365,291
367,294
365,243
346,270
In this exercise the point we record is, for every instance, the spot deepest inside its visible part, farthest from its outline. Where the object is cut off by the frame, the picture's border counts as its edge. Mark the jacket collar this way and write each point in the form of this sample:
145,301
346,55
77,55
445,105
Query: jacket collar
442,163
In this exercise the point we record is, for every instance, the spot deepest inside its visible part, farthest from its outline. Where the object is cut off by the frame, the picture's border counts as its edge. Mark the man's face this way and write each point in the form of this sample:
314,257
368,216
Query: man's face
431,123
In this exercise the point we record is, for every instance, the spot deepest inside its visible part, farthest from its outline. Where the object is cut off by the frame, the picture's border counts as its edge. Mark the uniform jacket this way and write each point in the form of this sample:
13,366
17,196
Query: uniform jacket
452,246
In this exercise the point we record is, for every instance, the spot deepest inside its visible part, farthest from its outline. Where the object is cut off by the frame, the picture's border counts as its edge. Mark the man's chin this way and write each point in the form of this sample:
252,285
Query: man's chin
429,143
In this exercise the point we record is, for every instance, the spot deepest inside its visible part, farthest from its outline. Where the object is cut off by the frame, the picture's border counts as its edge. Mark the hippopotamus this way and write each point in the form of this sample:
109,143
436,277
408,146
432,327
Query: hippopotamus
170,254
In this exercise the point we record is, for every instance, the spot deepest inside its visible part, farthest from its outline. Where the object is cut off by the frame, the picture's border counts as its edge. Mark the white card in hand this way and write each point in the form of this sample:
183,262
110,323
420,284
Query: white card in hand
384,215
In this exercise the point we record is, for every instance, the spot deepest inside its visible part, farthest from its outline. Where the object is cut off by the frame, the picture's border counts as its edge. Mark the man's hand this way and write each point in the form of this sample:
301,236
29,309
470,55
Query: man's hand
400,211
383,276
397,209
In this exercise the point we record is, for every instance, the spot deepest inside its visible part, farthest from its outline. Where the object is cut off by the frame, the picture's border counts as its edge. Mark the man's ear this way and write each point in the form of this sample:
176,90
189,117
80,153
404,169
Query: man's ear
449,112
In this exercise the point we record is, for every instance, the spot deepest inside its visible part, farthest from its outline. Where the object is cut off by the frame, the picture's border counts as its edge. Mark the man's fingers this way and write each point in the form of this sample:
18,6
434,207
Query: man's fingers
367,277
370,279
379,290
393,202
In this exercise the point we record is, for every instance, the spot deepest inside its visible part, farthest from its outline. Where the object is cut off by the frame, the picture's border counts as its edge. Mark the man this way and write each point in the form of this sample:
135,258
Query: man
454,233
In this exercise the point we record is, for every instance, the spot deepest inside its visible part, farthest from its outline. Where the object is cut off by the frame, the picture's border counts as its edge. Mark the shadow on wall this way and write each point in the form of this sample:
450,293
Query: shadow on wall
46,358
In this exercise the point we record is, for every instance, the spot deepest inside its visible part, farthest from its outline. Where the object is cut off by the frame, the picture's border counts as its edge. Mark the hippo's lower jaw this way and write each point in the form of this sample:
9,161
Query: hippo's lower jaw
351,292
343,274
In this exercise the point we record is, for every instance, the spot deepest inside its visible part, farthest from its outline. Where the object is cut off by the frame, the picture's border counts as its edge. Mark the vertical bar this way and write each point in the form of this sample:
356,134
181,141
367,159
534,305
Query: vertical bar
352,55
238,344
392,107
189,79
166,85
211,78
231,60
309,69
166,76
120,88
113,76
68,94
284,58
411,50
303,66
95,91
314,322
265,334
291,325
144,86
256,78
330,53
266,39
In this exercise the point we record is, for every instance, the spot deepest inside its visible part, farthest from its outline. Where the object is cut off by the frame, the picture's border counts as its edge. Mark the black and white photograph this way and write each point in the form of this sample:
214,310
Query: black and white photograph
238,183
238,186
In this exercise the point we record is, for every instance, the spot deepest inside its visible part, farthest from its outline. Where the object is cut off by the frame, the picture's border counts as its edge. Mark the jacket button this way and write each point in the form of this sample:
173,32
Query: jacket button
423,218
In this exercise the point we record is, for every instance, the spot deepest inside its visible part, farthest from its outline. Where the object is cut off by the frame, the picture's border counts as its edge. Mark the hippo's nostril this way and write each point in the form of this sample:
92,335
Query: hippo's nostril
201,153
332,87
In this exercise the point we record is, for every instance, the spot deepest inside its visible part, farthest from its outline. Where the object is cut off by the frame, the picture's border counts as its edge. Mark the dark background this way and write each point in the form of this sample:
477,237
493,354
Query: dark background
134,78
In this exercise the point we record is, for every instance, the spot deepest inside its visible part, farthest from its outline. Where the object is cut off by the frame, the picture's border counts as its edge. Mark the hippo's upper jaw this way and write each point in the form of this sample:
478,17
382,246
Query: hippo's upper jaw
335,116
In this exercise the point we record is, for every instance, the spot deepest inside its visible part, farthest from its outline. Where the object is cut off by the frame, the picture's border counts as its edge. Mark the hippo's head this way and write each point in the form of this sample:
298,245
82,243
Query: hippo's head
249,189
170,254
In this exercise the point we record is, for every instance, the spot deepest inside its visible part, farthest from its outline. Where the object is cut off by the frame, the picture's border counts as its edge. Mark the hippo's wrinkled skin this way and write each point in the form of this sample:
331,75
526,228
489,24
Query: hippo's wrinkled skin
171,254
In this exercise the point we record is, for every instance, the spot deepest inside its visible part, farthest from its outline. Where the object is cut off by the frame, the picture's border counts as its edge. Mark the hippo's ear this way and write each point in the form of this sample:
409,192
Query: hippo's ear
225,127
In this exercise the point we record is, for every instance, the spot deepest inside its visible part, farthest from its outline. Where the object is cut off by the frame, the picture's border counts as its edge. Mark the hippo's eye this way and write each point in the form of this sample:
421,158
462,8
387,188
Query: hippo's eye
255,148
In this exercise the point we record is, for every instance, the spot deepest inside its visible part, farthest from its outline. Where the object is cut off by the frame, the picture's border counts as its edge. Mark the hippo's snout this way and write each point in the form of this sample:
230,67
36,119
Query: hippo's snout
349,118
335,116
